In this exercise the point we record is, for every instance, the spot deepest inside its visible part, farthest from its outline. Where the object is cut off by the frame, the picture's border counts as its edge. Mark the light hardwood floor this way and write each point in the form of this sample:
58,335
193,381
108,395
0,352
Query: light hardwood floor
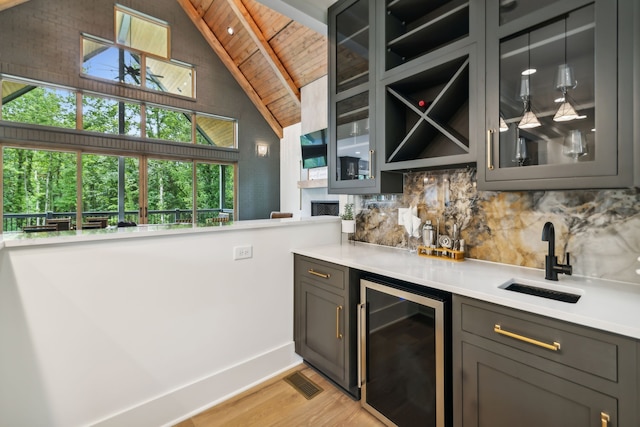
276,403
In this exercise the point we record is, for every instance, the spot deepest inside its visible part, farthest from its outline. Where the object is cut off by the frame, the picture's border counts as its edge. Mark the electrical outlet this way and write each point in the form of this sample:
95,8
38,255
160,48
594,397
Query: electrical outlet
242,252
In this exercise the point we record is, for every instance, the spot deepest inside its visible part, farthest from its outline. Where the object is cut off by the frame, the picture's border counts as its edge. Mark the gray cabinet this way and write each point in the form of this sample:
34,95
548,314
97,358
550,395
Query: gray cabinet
324,319
402,85
559,95
516,368
352,151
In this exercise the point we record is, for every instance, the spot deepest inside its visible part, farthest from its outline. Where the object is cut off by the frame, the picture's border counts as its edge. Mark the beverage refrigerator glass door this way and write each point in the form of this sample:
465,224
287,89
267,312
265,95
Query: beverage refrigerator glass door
404,340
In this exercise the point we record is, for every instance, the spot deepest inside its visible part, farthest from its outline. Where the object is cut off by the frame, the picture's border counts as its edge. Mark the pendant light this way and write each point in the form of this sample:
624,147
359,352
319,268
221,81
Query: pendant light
529,119
565,81
503,125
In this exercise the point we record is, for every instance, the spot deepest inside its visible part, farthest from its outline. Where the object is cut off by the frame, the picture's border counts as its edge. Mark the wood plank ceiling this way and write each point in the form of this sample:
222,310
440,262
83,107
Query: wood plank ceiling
6,4
270,55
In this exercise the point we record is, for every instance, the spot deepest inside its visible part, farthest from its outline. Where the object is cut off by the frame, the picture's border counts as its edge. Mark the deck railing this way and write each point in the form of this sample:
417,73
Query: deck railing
17,221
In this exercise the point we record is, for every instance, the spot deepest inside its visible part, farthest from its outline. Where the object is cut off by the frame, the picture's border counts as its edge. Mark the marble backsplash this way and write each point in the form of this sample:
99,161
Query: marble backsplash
600,228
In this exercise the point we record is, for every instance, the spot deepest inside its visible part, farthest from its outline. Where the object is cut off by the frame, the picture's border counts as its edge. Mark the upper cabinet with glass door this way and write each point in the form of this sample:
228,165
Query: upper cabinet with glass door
351,92
558,95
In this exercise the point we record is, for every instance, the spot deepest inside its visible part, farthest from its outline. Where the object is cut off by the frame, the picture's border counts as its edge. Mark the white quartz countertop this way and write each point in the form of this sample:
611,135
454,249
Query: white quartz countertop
607,305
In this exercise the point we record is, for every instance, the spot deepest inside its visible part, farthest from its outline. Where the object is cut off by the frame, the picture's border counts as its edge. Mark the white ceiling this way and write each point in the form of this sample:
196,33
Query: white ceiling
311,13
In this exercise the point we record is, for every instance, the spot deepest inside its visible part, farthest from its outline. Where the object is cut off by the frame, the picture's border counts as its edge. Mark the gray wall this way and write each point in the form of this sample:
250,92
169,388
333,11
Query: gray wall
40,39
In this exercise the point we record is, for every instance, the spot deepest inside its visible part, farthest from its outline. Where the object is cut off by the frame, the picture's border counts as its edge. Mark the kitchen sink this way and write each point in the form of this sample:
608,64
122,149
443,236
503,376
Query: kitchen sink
543,290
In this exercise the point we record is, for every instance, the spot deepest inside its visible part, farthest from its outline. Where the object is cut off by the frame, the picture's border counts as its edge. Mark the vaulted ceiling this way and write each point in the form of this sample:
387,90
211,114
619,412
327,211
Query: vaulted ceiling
270,55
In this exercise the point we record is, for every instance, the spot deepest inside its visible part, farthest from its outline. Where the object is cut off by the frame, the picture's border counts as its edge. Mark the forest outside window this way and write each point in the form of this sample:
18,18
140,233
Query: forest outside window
23,102
41,187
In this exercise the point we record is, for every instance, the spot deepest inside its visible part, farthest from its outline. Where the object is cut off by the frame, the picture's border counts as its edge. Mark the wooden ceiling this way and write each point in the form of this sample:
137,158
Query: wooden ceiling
6,4
270,55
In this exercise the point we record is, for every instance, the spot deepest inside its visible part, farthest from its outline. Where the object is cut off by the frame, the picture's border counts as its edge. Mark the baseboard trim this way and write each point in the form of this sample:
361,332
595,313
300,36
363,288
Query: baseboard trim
187,401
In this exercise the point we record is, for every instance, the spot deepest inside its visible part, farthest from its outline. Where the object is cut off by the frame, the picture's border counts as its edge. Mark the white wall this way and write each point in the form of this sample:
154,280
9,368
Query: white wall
144,331
290,170
314,116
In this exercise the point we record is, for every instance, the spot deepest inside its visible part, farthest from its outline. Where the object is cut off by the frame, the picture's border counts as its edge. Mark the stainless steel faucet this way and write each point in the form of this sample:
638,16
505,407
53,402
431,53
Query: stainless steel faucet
551,266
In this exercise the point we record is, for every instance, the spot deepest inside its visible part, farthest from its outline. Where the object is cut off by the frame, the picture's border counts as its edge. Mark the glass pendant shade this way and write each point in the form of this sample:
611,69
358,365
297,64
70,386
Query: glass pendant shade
503,125
525,89
529,120
564,77
565,113
521,155
575,144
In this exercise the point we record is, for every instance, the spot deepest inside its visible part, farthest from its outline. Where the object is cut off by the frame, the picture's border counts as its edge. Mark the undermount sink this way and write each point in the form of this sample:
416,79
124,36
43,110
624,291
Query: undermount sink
543,290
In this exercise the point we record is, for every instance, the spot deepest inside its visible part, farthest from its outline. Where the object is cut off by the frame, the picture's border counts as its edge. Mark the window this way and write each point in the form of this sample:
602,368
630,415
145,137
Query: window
23,102
39,103
103,192
141,32
37,185
169,125
215,189
170,77
170,190
103,60
105,115
41,185
216,131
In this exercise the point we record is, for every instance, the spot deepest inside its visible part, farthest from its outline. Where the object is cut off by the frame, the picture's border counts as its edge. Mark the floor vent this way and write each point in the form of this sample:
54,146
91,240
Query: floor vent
304,385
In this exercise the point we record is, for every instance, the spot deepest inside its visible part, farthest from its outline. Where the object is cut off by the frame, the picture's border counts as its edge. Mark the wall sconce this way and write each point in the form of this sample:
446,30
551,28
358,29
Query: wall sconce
262,150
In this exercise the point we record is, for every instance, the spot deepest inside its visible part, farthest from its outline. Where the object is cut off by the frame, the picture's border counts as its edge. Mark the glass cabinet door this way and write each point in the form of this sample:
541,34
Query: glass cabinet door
351,90
547,93
551,107
352,138
352,46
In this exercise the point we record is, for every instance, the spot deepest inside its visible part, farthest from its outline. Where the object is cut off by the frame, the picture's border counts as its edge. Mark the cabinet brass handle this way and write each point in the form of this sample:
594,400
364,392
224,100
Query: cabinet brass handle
338,310
315,273
605,418
371,176
490,149
553,347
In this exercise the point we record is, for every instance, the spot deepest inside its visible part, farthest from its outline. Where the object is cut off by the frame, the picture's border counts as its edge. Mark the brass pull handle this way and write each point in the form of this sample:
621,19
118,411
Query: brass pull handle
315,273
371,169
338,310
553,347
605,418
490,149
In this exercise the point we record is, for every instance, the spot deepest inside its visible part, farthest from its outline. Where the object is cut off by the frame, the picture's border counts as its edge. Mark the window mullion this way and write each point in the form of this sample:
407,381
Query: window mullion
79,207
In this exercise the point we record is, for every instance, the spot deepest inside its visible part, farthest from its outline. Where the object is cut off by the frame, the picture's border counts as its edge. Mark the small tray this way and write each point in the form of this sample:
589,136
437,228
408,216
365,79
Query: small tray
440,253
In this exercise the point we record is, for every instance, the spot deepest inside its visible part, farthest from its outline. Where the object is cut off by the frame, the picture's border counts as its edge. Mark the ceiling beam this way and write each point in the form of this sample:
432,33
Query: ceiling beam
265,48
6,4
217,47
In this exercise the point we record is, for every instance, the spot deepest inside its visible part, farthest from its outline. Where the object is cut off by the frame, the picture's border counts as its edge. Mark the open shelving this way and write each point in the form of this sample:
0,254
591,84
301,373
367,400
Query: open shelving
417,27
427,114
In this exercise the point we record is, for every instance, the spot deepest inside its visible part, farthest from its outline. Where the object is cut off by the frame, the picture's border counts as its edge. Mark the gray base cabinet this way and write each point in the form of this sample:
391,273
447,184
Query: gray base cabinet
513,368
324,319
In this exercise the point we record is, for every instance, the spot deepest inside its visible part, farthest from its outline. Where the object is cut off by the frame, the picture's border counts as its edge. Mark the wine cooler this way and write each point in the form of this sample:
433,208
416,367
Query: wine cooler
403,353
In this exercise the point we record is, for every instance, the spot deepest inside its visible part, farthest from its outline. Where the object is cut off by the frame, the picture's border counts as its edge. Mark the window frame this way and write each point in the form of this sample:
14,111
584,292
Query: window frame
143,17
142,179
